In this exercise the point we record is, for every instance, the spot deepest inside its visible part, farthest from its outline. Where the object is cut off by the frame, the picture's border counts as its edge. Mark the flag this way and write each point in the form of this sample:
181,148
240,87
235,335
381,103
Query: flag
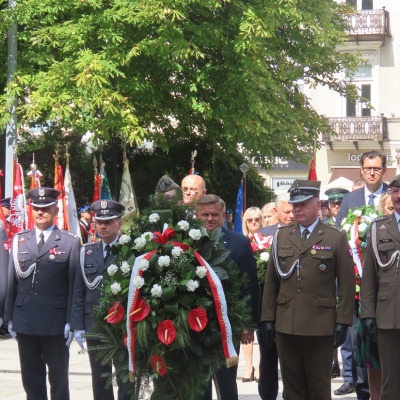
312,172
2,218
127,195
96,196
17,214
71,213
239,210
59,219
105,192
35,176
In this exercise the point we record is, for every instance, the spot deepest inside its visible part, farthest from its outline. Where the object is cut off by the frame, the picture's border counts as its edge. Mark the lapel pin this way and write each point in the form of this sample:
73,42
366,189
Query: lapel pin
89,252
382,228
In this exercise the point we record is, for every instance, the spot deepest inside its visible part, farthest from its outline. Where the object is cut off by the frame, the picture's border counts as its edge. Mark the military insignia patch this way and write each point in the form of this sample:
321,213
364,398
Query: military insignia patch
103,204
41,192
89,252
382,227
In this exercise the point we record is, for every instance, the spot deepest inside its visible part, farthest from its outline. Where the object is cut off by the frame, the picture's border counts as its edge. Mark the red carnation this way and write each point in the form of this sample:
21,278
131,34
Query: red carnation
115,314
197,319
141,311
158,364
166,332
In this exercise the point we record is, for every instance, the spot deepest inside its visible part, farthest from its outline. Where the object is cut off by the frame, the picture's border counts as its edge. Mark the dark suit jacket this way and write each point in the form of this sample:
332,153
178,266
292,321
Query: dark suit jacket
3,269
40,304
268,230
85,299
240,252
353,200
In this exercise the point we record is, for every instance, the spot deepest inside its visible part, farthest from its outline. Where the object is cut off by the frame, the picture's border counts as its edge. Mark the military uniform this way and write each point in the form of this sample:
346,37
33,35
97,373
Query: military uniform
300,297
380,297
87,294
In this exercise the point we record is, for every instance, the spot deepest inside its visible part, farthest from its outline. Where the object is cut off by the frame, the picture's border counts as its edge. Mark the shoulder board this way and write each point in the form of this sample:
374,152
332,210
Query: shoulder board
286,226
381,218
20,233
68,233
89,244
334,227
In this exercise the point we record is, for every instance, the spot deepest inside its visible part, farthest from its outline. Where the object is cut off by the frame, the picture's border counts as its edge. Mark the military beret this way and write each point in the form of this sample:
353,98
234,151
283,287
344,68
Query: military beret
6,202
395,181
43,196
107,209
336,194
303,190
165,184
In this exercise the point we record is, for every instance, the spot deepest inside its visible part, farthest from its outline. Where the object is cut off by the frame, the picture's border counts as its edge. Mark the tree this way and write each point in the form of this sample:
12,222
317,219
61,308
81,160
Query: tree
225,71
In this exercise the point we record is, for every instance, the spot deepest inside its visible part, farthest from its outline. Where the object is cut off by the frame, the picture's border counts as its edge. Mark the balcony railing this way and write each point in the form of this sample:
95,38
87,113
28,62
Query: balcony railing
368,25
354,129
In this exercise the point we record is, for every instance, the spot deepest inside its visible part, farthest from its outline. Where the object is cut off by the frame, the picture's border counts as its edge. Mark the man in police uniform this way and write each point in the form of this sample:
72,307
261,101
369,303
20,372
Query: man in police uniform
380,288
299,300
41,273
335,198
95,259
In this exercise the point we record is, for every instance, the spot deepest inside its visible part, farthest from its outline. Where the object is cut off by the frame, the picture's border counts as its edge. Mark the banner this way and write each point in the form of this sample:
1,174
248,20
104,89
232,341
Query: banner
105,193
2,218
127,195
35,176
17,215
312,172
59,219
71,213
239,210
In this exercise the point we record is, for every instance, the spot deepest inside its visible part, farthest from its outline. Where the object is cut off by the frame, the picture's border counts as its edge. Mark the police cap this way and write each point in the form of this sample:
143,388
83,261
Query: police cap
335,195
303,190
43,196
107,209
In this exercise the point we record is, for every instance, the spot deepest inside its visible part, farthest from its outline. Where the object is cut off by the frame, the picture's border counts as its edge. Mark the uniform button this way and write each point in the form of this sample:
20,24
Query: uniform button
301,255
298,291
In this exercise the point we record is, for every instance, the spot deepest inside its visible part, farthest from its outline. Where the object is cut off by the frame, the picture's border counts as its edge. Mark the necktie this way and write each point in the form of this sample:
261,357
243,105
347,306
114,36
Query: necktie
40,242
108,252
304,236
371,200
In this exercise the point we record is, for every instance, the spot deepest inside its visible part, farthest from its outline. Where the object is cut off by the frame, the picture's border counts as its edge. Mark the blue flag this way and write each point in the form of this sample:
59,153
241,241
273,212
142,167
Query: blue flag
239,208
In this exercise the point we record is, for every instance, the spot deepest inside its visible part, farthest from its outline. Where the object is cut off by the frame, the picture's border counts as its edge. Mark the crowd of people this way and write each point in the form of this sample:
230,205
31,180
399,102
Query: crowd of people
304,310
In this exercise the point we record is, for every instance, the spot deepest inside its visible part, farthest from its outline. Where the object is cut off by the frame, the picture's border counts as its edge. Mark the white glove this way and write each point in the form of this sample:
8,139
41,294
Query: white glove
80,337
68,335
11,332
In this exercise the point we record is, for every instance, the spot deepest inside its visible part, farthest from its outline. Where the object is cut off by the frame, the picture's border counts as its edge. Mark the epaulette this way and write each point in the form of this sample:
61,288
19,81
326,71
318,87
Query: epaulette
25,231
336,228
68,233
286,226
89,244
381,218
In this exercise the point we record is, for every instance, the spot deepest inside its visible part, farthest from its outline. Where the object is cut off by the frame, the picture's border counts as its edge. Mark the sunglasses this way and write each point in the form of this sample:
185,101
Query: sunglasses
253,219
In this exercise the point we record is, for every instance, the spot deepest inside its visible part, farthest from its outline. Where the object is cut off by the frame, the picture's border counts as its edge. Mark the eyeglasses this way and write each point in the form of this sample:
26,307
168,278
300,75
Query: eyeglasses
253,219
370,170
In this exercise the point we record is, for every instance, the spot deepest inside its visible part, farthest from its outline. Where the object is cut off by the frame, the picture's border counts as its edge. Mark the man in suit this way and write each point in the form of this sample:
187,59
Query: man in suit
211,210
283,211
95,259
3,273
380,302
41,272
193,187
268,380
373,168
299,299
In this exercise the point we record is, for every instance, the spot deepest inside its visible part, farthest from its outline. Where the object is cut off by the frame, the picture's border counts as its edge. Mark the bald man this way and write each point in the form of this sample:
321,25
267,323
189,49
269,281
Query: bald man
193,187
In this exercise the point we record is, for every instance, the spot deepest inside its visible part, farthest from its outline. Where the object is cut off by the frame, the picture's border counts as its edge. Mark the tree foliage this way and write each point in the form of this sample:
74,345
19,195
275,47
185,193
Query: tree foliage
221,70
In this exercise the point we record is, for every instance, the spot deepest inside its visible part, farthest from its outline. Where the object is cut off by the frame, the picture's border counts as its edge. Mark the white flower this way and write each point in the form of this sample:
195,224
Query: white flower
140,242
357,213
124,239
164,261
201,272
138,282
112,269
195,234
176,251
192,285
184,225
156,291
344,222
125,268
144,264
264,256
373,216
362,227
154,217
115,288
366,218
346,227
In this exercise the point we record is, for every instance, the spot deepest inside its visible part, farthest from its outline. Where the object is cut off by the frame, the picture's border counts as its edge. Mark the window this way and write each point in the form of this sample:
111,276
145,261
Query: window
359,109
361,4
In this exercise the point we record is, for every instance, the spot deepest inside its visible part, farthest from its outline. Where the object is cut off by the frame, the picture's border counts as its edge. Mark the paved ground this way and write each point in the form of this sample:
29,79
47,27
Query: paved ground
80,384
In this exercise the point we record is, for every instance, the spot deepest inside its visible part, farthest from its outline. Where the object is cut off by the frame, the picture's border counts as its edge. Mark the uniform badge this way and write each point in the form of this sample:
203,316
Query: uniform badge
52,257
41,192
6,246
103,204
21,240
322,267
313,251
89,252
382,227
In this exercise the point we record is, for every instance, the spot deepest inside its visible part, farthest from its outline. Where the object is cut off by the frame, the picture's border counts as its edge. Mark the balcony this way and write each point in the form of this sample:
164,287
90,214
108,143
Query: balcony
355,129
368,25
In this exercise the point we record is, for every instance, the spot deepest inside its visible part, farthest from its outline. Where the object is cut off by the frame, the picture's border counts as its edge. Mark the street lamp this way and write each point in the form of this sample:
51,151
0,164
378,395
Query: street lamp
244,168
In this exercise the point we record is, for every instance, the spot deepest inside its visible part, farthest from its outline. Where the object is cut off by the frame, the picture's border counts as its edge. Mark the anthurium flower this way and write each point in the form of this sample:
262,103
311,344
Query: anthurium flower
198,319
158,364
141,311
166,332
163,238
115,314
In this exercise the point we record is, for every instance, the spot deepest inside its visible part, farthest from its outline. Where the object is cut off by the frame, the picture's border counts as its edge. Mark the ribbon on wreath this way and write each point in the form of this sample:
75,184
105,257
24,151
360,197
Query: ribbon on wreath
355,245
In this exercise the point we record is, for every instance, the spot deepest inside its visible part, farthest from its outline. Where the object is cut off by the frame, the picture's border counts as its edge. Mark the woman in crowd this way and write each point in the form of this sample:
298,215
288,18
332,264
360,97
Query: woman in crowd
269,216
251,223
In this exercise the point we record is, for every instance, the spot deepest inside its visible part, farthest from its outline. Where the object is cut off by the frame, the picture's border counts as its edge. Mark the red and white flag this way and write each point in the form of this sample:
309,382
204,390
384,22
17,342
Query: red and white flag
35,176
59,219
71,213
17,211
2,218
